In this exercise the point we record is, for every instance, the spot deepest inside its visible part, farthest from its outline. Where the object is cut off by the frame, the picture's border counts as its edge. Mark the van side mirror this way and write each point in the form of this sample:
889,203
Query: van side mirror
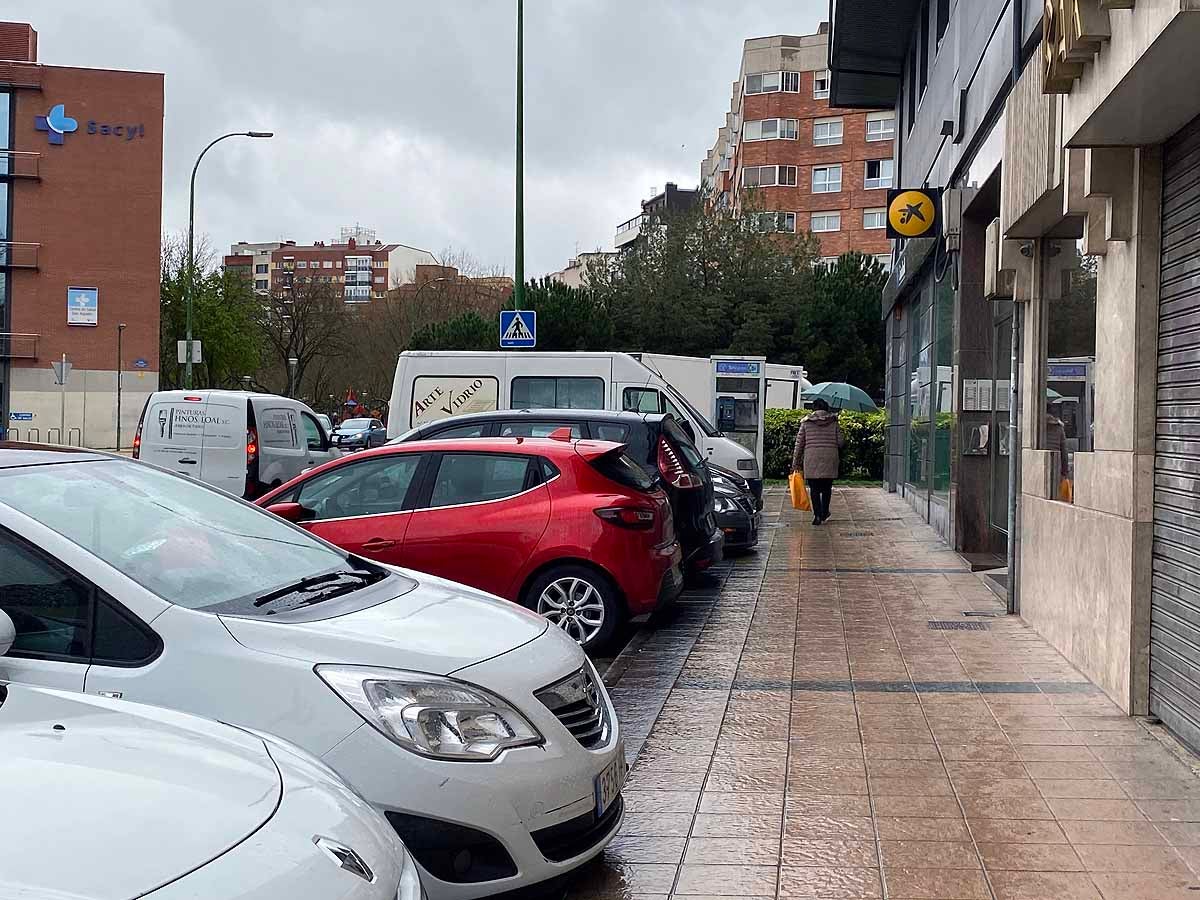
8,633
293,512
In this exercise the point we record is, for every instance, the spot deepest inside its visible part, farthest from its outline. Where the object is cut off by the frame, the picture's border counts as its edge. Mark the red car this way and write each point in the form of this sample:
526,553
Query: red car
575,530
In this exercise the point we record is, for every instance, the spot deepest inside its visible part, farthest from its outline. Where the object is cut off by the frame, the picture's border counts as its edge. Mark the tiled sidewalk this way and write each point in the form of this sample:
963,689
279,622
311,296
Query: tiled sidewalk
807,729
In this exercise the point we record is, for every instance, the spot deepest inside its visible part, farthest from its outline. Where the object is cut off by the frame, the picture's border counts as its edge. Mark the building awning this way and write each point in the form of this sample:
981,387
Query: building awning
868,43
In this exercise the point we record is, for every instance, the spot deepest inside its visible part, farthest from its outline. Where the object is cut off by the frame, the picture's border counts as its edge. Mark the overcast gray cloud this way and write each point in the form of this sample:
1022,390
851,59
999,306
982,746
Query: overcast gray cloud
399,115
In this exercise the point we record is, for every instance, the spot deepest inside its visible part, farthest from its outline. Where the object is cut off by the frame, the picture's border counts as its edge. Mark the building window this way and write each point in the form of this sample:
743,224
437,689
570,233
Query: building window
881,126
302,265
826,179
358,292
260,284
260,269
770,129
380,264
791,82
327,264
827,132
338,264
943,19
379,279
764,83
879,174
829,261
821,85
766,222
767,176
875,218
924,48
825,221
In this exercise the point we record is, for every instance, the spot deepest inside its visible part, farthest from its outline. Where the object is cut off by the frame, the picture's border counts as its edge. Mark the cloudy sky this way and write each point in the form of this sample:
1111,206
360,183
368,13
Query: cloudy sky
399,115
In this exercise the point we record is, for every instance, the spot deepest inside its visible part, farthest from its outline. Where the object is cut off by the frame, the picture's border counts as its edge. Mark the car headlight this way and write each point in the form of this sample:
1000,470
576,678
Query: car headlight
410,883
431,715
724,504
747,465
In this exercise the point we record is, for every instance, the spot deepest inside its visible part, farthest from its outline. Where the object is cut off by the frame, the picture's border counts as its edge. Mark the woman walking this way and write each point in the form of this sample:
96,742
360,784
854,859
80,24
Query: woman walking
817,455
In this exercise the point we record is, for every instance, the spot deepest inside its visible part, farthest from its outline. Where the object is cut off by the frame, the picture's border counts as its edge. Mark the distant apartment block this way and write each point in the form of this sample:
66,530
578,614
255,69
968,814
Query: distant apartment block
813,167
576,272
672,201
361,267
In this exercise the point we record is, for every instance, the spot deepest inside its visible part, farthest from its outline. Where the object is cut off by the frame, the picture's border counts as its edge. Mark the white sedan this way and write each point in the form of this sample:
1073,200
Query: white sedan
484,735
106,800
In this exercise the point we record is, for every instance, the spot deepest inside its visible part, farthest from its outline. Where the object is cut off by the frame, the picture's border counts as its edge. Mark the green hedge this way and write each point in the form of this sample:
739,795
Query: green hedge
862,457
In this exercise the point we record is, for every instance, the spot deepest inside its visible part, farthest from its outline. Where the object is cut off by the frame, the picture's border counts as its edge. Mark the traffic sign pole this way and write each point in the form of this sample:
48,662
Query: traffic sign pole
62,406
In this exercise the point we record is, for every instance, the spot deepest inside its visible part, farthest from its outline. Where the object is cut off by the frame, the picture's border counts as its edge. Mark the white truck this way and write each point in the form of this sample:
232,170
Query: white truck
432,385
692,377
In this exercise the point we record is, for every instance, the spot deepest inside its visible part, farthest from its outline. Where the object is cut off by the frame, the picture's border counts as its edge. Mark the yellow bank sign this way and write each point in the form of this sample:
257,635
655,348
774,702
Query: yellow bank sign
914,213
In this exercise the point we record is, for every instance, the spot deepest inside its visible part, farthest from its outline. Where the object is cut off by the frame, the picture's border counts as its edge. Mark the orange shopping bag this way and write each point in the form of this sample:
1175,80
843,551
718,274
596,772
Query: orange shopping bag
799,492
1066,491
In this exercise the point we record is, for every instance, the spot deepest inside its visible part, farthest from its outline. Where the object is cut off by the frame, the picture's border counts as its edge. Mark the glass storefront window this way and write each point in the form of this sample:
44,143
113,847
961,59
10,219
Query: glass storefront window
943,390
921,389
1069,286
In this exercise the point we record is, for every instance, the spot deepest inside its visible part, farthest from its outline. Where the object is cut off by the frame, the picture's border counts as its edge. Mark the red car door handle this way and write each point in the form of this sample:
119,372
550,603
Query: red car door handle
377,544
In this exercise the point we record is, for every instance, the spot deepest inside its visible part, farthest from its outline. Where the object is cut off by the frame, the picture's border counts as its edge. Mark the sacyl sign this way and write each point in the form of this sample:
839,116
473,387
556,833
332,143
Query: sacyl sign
57,125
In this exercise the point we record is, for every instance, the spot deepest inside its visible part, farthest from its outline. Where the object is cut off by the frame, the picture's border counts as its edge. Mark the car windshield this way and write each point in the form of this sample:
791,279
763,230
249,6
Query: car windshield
706,426
189,544
356,424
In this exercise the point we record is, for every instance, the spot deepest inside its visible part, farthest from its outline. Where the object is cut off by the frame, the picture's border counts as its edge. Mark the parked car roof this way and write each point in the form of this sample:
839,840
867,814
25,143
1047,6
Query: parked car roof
14,454
566,415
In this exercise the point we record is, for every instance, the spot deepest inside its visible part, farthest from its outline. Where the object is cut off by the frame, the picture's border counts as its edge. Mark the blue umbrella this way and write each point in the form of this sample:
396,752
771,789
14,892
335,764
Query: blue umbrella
840,395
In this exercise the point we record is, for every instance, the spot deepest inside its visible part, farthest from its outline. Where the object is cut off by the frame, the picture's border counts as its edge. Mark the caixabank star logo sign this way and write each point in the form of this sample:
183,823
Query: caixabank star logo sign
56,123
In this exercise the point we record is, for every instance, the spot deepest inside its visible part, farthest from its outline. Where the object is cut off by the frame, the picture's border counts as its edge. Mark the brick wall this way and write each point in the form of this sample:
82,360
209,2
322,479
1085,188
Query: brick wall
96,211
18,41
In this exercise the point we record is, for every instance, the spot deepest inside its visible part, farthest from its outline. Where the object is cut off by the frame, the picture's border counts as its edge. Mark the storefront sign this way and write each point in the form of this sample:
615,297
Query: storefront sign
57,125
914,213
21,416
730,367
1073,32
83,306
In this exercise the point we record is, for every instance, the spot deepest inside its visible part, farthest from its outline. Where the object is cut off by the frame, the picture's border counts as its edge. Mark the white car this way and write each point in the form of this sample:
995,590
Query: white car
484,735
106,799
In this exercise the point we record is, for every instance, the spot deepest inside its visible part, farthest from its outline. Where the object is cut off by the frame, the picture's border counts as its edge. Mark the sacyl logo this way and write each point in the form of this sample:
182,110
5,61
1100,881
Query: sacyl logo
55,123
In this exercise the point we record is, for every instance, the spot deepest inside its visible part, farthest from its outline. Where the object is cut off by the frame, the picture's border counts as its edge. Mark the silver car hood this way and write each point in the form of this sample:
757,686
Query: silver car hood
110,799
438,627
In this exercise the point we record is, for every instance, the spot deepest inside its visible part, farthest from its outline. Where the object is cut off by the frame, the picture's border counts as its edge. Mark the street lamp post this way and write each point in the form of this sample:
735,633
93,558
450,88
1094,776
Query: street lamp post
292,363
519,275
191,257
120,366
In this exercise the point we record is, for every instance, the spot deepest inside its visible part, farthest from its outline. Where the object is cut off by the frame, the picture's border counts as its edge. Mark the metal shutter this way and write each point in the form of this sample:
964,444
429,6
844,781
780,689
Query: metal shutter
1175,580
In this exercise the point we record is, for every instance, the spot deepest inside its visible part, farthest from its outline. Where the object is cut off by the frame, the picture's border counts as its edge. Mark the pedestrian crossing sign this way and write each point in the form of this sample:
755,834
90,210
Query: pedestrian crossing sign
518,328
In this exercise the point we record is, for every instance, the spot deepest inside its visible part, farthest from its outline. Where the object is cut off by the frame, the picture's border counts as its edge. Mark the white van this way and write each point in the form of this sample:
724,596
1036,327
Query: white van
432,385
692,376
241,442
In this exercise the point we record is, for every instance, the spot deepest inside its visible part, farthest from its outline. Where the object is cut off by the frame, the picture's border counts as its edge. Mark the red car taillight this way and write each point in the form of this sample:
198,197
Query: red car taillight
137,442
251,445
628,517
672,469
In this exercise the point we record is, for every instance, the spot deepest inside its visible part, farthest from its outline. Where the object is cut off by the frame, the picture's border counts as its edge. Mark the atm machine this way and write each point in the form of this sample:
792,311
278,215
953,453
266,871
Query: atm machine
739,399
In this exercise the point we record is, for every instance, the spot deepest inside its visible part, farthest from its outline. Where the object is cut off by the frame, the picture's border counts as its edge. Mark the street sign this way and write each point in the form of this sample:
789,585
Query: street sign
142,364
914,213
83,306
21,416
182,349
62,370
518,328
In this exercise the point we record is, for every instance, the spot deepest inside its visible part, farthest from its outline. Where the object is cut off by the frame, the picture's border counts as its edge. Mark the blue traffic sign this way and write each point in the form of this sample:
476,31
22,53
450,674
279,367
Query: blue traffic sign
518,328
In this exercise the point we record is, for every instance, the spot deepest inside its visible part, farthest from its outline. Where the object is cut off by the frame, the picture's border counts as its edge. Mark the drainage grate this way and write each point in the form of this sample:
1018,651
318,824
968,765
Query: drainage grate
855,534
958,626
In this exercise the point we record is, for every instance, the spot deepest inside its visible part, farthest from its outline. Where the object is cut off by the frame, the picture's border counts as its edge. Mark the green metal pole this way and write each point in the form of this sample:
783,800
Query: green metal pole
519,275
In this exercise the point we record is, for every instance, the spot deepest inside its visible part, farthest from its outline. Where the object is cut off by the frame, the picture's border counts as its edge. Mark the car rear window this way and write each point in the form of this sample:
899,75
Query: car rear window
624,471
679,438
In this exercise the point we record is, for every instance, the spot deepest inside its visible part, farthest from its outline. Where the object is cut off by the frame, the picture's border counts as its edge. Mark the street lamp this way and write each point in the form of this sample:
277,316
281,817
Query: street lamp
120,365
191,261
292,363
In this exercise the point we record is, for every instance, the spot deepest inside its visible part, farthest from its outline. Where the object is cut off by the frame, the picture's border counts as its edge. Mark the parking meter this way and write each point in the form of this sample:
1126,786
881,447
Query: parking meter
739,398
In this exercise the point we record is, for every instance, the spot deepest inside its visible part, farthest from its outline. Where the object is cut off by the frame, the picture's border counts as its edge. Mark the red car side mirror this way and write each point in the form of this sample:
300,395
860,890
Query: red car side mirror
293,512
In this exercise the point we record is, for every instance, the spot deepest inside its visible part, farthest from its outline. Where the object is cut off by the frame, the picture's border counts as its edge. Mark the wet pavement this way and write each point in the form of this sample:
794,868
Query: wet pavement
821,720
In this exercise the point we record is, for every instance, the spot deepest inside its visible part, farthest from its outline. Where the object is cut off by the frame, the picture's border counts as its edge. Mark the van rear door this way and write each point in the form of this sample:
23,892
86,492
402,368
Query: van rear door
173,433
224,464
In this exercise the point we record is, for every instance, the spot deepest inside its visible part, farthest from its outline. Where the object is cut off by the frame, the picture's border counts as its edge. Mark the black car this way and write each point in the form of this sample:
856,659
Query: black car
655,440
737,515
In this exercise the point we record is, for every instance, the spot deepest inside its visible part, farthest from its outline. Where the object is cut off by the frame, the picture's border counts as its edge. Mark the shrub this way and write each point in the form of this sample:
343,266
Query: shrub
862,456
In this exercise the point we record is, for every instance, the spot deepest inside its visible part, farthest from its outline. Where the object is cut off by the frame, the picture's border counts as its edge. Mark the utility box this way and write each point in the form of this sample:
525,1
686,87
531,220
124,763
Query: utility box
739,400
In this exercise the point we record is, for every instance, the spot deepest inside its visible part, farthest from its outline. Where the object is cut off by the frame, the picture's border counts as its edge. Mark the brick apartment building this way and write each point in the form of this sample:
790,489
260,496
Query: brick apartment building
358,265
80,234
815,168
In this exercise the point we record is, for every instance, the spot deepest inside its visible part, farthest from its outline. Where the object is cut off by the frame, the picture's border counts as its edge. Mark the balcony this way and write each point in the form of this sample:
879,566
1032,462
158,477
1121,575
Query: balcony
18,346
627,232
17,255
19,164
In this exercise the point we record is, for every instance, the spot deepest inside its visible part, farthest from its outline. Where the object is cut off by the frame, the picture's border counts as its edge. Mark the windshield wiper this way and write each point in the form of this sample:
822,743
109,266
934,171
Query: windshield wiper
305,585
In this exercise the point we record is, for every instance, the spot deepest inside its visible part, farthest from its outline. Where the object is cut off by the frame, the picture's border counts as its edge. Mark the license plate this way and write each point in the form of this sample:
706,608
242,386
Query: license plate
609,782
